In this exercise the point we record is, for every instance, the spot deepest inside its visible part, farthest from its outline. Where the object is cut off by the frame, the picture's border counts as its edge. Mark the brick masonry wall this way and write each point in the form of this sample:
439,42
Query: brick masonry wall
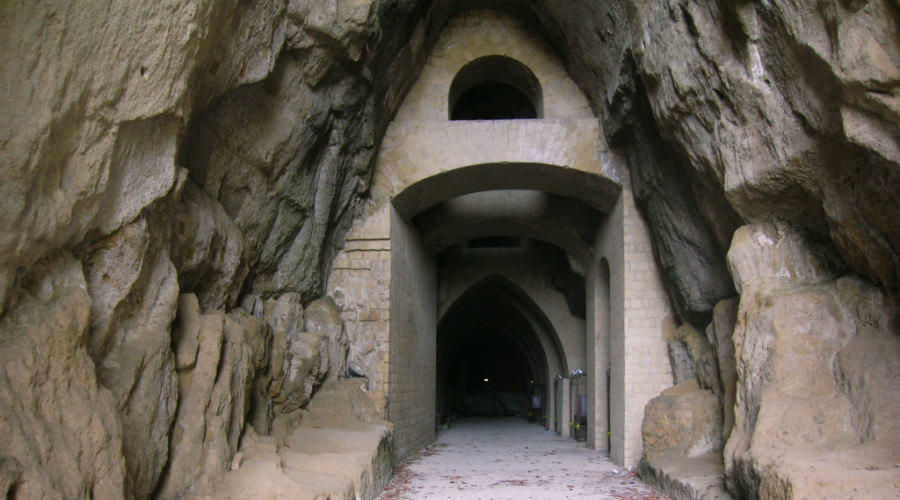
648,321
413,356
360,284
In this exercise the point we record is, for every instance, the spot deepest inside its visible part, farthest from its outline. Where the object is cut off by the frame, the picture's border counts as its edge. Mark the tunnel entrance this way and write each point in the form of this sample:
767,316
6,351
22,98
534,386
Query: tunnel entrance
427,330
490,358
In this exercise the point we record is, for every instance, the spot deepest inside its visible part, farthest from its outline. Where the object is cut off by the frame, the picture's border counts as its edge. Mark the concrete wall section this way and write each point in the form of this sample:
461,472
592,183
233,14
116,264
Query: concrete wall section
606,336
648,323
598,327
413,338
630,336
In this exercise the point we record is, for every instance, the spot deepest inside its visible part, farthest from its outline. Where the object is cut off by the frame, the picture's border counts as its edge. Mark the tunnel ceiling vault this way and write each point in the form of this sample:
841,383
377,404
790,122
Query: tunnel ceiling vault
561,221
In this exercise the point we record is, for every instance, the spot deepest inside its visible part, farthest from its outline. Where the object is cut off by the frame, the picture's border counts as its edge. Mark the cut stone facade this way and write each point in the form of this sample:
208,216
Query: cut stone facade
428,161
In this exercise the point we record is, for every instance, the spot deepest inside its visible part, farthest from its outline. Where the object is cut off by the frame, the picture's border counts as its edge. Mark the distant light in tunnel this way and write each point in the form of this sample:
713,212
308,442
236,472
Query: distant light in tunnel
485,380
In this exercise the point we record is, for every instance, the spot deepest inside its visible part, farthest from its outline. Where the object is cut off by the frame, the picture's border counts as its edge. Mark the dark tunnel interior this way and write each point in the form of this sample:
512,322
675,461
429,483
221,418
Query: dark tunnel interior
491,362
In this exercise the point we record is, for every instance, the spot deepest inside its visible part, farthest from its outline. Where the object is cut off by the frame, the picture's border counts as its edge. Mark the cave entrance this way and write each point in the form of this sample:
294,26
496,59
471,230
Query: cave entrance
489,301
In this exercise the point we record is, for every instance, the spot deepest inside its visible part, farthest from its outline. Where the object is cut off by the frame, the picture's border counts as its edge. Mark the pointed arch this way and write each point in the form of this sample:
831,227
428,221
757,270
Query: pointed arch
496,306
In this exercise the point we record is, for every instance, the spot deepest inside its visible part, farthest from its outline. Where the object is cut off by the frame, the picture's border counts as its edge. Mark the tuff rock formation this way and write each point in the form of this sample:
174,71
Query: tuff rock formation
163,162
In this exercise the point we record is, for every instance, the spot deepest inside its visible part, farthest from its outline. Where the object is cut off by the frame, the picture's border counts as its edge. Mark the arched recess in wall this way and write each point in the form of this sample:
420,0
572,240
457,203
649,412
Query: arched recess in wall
492,312
595,190
495,88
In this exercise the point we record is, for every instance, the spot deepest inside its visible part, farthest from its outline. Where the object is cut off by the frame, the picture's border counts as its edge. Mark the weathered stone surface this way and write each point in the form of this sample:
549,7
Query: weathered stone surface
684,420
216,395
59,424
186,332
338,449
812,359
134,293
757,111
323,317
680,359
93,118
776,256
686,250
719,333
207,249
10,472
285,317
703,358
695,478
309,346
755,104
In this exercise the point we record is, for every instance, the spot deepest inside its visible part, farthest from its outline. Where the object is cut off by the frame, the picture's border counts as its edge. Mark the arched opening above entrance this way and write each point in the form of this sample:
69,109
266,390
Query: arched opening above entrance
495,88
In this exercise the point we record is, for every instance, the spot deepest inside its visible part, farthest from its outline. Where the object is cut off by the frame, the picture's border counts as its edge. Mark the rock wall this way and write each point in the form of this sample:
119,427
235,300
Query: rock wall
164,162
817,367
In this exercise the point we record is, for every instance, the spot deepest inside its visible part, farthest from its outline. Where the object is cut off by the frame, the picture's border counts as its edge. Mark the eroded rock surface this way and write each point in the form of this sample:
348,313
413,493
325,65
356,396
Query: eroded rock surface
685,420
216,393
340,448
60,432
801,351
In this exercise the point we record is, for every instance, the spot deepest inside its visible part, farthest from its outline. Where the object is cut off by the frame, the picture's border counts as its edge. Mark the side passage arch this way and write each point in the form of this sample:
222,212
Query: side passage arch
496,354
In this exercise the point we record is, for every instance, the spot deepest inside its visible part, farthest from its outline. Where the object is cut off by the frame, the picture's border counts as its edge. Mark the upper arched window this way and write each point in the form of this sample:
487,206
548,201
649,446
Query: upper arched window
495,88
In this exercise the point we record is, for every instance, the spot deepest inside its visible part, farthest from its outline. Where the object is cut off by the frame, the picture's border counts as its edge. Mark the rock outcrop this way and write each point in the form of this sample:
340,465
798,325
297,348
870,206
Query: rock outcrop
216,393
685,420
60,434
338,449
164,162
817,367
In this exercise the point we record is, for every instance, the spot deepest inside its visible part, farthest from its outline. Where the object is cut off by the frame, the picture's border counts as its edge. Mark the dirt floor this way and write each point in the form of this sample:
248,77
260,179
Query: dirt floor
501,458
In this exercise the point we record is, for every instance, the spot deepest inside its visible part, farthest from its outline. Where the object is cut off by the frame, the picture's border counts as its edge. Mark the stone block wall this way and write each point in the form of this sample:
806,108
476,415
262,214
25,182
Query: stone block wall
637,321
648,321
413,345
360,284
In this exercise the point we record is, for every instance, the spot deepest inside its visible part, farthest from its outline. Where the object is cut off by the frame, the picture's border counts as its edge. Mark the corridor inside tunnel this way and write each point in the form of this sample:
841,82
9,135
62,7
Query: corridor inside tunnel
490,361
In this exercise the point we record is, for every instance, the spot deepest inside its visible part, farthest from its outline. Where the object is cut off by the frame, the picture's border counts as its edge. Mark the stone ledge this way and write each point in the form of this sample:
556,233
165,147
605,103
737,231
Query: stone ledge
314,463
337,448
683,478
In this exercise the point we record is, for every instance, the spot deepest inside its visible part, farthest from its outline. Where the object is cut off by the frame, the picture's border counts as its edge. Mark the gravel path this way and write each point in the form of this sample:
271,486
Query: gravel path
511,458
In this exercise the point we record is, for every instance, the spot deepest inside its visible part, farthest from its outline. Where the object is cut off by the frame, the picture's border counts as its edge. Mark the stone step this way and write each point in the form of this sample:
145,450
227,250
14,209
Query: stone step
687,478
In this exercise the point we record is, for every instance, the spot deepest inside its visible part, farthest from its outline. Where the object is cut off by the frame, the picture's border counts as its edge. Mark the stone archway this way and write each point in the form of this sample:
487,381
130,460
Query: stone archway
497,310
495,87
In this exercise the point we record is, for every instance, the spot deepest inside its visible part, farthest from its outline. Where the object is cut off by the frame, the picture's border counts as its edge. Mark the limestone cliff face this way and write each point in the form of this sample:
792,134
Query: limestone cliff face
164,161
150,150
